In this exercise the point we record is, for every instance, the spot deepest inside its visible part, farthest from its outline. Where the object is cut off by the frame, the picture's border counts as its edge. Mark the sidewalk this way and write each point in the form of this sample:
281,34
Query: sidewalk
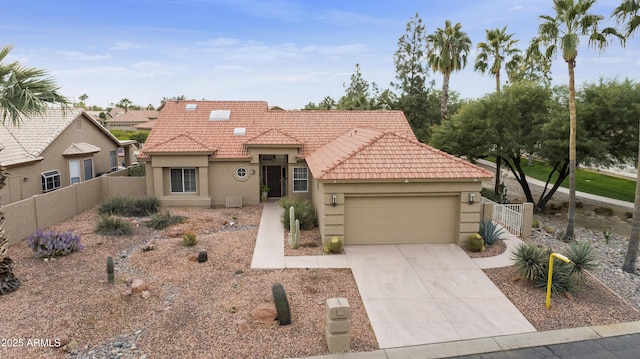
535,182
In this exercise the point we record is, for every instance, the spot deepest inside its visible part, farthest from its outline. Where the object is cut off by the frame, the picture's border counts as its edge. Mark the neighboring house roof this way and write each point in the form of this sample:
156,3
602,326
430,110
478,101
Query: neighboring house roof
336,144
367,154
146,126
133,116
26,142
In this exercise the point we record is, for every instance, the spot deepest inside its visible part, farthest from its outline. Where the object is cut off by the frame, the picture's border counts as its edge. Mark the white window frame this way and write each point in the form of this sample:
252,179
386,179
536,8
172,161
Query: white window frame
75,172
56,180
187,175
301,177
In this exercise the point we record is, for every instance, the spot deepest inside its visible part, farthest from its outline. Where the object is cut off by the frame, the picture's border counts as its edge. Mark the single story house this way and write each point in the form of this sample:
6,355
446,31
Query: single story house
57,149
369,178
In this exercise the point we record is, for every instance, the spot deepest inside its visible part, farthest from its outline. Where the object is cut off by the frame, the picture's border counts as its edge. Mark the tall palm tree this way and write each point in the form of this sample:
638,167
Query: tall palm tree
447,51
627,13
500,47
27,92
561,33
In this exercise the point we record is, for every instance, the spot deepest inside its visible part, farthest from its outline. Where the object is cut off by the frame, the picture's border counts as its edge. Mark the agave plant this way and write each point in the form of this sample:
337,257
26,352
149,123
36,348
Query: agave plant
582,258
490,231
530,260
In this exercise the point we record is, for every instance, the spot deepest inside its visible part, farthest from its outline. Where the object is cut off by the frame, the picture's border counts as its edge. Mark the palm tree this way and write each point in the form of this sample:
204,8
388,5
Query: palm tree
447,52
627,13
27,92
562,32
500,47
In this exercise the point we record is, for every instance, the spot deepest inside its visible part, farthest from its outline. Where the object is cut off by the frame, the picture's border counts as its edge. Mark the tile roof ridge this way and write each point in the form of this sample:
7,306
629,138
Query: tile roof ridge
358,149
279,130
183,134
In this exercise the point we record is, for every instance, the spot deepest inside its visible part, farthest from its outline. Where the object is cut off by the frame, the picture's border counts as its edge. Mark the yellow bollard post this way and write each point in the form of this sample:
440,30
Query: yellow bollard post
562,258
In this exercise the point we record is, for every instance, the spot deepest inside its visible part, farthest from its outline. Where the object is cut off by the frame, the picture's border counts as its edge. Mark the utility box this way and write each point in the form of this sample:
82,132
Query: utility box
338,318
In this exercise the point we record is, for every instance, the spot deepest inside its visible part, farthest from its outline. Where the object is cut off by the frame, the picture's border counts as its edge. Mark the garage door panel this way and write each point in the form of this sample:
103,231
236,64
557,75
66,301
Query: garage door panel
377,220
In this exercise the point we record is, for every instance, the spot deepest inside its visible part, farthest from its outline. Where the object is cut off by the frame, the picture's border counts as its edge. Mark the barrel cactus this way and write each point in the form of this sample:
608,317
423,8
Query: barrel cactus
475,243
335,245
282,304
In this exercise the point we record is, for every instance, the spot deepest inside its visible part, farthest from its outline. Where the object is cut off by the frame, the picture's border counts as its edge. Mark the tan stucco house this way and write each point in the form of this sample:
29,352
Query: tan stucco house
130,120
369,178
55,150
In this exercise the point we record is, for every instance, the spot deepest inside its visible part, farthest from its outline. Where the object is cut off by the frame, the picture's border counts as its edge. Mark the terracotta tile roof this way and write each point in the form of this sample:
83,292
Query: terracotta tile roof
272,137
26,142
382,147
370,154
312,128
134,116
181,143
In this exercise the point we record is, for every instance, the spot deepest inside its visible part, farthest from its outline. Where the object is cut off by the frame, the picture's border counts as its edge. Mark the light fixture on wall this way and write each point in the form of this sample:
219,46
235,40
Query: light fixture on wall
472,198
334,200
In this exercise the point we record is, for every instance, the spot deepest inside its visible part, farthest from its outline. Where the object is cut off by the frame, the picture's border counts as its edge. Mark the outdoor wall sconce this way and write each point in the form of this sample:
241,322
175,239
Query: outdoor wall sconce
472,198
334,200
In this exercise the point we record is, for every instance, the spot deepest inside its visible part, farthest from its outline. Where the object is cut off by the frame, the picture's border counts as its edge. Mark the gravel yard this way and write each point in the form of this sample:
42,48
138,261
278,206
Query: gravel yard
203,310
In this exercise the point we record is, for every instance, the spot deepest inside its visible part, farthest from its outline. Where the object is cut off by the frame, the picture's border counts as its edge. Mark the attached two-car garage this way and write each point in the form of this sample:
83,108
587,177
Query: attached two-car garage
383,219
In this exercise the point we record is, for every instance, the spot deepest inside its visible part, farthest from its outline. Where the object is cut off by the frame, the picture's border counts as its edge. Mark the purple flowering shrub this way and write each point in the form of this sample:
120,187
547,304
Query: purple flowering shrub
52,244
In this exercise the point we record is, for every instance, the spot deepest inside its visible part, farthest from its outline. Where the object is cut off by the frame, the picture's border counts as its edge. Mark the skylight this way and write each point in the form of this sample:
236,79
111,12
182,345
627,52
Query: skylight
219,115
239,131
191,106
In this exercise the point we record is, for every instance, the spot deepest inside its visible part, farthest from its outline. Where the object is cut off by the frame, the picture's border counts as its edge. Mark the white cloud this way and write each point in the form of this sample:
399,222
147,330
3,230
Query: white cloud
77,55
231,68
219,42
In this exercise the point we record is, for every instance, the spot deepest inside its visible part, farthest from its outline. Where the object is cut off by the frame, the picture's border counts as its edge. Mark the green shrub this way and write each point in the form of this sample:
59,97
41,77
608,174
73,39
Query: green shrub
127,207
475,243
116,205
490,231
146,206
189,239
113,226
137,171
535,223
604,211
164,219
303,209
530,260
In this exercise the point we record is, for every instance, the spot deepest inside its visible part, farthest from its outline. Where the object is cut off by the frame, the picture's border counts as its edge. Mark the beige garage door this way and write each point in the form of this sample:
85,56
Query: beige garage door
378,220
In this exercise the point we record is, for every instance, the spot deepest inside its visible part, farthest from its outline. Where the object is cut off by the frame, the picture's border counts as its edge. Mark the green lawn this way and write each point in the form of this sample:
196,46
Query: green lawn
586,181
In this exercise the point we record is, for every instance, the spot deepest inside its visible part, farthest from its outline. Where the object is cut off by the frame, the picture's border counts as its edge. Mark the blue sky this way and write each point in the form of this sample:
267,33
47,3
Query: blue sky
286,52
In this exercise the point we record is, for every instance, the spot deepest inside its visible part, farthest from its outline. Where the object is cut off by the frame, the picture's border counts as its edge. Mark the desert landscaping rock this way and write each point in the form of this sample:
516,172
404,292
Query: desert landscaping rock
138,285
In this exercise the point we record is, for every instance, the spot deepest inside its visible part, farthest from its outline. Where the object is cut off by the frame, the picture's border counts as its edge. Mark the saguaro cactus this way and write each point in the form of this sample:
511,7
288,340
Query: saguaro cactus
294,229
110,277
282,304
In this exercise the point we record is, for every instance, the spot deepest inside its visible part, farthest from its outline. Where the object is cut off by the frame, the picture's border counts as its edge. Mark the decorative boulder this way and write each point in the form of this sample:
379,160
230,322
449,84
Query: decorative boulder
138,286
265,312
202,257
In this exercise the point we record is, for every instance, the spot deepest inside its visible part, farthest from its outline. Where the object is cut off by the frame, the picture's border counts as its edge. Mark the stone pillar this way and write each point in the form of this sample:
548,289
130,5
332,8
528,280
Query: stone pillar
338,313
527,220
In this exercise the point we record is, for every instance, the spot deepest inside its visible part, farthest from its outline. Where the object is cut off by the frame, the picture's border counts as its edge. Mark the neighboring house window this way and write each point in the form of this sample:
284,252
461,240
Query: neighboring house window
50,181
300,179
88,169
74,171
183,180
113,159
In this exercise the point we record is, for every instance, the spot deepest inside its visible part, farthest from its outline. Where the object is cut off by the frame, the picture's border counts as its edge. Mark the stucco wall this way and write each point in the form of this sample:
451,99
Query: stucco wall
223,182
25,180
22,218
331,218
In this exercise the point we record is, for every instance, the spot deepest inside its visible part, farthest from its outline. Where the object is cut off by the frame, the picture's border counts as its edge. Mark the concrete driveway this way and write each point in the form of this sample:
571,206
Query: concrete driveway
429,293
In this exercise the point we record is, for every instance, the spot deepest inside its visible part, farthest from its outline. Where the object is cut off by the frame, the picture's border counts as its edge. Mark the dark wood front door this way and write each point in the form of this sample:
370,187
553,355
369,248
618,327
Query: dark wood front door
274,181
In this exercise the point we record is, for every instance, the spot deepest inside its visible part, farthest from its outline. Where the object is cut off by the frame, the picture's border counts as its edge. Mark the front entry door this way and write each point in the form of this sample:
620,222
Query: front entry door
274,181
